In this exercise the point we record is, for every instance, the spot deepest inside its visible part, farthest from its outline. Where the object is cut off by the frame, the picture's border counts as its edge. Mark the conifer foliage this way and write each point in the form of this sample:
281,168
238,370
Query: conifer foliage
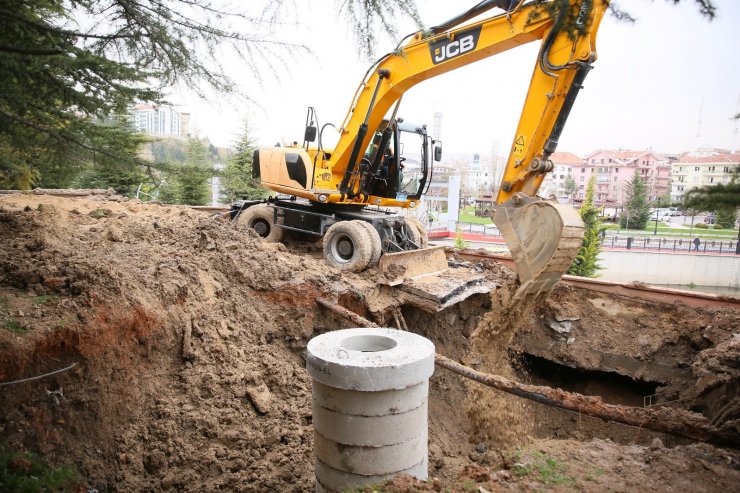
236,179
69,69
636,213
586,263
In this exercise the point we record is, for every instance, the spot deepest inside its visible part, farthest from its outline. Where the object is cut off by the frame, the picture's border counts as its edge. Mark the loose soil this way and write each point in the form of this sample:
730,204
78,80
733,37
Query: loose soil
187,337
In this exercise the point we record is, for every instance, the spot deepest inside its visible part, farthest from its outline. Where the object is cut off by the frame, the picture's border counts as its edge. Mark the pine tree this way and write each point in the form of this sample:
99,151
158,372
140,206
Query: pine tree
122,176
236,178
68,67
569,186
169,190
711,197
726,217
192,177
586,263
636,212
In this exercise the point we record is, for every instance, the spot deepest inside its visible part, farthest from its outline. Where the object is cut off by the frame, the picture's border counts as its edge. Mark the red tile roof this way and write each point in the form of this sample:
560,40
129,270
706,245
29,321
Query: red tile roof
565,158
723,158
624,157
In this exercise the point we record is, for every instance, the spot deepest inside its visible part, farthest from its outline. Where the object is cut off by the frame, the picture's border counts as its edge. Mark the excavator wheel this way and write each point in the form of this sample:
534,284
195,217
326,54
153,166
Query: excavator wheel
420,233
375,244
544,238
347,246
260,218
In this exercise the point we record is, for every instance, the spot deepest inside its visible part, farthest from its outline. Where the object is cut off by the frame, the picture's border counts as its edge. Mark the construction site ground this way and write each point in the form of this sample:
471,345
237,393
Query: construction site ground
183,337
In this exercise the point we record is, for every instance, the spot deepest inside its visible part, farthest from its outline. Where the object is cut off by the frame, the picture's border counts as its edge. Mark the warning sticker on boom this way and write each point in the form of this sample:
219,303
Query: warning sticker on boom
518,145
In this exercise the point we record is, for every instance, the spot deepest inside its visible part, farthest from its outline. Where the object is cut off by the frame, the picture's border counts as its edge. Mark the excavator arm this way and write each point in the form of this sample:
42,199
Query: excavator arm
361,170
567,30
543,237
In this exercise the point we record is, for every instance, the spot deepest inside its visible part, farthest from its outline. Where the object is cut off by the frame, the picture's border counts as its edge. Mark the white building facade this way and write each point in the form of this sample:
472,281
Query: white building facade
700,169
155,120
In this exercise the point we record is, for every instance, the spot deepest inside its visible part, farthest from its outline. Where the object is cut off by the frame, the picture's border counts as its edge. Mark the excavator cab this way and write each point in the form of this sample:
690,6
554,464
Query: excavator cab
389,171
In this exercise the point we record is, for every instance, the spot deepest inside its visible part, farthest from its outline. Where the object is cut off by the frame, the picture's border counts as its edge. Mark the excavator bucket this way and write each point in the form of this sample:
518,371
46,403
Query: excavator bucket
427,280
544,238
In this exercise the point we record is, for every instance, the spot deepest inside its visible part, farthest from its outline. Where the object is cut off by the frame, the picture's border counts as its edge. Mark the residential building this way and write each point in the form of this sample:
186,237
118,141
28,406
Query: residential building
554,182
478,174
435,201
614,169
474,178
701,168
155,120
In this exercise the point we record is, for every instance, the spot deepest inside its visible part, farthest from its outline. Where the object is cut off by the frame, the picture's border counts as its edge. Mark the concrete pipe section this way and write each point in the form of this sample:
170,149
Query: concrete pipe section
370,392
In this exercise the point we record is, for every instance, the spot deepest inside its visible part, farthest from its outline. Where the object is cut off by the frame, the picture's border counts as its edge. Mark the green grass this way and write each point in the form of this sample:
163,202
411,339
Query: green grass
364,489
521,469
4,301
552,472
14,326
467,215
460,242
715,234
473,219
43,299
23,472
545,469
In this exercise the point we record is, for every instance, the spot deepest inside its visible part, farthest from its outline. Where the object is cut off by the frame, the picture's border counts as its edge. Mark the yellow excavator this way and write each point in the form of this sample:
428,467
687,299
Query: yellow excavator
343,194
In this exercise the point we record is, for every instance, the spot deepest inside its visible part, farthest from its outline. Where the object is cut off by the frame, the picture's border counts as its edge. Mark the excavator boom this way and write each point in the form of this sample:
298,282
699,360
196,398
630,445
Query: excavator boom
543,237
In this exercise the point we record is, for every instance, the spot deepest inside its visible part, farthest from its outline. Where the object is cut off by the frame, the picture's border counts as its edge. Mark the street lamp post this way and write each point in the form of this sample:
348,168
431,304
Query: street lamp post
657,209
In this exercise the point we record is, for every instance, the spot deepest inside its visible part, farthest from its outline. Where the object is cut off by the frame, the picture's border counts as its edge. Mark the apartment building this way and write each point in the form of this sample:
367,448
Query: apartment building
554,182
701,168
155,120
614,169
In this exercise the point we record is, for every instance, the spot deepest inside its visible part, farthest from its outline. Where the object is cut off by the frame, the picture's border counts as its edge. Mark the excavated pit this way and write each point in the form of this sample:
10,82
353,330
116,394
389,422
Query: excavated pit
612,387
187,336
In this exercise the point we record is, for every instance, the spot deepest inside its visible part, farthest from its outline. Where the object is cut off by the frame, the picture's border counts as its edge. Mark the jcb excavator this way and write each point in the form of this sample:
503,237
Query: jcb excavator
342,193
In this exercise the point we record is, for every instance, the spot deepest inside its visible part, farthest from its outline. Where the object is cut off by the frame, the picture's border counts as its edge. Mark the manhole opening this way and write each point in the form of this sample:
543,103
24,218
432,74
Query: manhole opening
368,343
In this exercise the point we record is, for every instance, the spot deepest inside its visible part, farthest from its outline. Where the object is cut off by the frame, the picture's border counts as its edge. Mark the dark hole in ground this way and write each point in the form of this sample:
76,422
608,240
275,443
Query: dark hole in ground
611,387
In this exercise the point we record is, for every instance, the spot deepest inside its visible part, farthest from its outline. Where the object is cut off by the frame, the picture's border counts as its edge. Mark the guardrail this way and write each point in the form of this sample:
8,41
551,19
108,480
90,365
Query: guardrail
481,229
489,232
658,244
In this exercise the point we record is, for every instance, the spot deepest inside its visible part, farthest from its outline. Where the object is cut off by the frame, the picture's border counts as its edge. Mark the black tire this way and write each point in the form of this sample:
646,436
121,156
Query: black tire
375,244
417,232
260,218
347,246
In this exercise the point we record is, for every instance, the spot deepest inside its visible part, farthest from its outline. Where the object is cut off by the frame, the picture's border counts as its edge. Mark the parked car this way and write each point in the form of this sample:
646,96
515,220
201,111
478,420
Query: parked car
710,219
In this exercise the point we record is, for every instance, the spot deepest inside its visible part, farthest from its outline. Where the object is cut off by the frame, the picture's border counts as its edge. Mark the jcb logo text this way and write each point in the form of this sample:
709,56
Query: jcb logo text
445,49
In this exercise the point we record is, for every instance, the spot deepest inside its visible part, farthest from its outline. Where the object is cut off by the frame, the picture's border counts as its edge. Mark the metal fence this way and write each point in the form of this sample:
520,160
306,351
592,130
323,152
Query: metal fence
696,245
617,241
481,229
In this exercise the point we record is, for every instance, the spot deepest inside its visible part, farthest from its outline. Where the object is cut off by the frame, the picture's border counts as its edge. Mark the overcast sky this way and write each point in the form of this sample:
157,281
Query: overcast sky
652,82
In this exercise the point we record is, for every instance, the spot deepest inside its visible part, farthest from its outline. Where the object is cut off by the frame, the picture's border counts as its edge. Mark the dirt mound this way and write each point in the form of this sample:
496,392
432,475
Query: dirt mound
180,338
181,328
595,465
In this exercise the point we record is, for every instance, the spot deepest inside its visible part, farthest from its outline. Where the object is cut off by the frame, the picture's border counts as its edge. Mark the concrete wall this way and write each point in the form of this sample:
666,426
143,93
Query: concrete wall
662,268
